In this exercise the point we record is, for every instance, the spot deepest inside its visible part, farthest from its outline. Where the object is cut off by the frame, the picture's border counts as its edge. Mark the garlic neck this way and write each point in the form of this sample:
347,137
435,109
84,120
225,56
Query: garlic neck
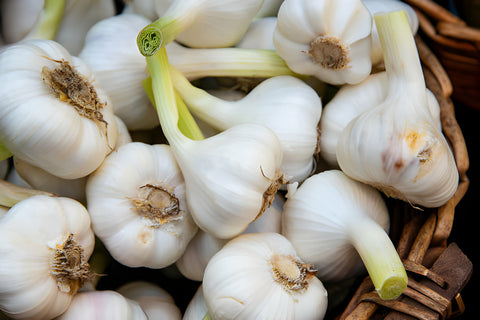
290,273
68,266
329,52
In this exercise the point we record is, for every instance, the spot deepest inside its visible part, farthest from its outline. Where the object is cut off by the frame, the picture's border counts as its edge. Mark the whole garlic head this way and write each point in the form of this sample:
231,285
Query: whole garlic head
53,114
45,243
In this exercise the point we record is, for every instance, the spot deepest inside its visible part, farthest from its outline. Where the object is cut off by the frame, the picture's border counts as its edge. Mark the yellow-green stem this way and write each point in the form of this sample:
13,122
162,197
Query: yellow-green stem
49,21
207,317
11,194
4,152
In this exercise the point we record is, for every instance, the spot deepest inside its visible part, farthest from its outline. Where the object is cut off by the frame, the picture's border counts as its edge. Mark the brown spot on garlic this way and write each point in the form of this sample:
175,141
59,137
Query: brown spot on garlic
269,194
329,52
73,88
157,203
292,274
68,267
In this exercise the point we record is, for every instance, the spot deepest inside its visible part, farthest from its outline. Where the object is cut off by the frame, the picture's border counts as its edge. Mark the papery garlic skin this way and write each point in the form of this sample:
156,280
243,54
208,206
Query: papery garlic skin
196,308
45,244
259,276
137,203
349,102
106,304
376,6
111,52
203,246
41,126
154,301
259,34
328,39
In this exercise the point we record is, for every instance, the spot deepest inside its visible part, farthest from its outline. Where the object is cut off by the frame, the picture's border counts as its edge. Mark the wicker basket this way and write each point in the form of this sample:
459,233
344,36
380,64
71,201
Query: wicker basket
438,270
456,45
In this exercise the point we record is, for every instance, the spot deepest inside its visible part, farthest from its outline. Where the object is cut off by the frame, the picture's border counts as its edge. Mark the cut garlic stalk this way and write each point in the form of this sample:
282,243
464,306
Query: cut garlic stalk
52,113
199,24
155,301
396,146
230,178
45,243
260,276
286,105
333,221
349,102
137,203
106,304
329,39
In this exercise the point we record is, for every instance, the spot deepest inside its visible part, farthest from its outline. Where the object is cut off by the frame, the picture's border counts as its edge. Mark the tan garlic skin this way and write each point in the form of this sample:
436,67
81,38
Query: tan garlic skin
44,250
53,114
259,276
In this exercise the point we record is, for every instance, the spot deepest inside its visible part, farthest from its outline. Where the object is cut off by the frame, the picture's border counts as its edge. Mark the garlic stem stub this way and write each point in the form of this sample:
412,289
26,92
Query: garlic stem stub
53,114
45,244
227,193
199,24
396,146
49,20
260,276
286,105
336,223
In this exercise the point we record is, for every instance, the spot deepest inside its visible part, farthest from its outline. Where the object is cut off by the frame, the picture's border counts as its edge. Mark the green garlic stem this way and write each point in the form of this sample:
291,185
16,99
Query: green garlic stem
186,123
197,63
380,257
207,317
164,97
4,152
49,21
402,62
11,194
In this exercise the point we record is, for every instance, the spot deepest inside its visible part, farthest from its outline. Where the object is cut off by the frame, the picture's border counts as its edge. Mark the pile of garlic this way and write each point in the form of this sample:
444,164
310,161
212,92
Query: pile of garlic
246,146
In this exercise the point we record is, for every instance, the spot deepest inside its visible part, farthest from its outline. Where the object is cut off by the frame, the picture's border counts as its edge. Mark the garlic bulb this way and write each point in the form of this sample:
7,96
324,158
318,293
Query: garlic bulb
146,8
106,304
111,52
333,221
349,102
198,24
259,34
53,97
396,146
224,194
155,301
136,199
203,246
196,308
269,8
65,21
260,276
286,105
43,256
328,39
377,6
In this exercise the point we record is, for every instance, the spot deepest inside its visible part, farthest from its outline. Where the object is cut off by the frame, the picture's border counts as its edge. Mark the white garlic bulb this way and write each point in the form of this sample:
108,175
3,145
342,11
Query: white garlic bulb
203,246
286,105
396,146
260,276
336,222
155,301
53,97
349,102
328,39
105,304
269,8
111,52
196,308
45,243
259,34
136,199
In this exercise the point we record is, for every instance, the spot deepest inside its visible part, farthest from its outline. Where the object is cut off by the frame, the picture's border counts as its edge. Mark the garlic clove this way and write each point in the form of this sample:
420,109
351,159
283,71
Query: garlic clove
142,187
43,256
70,142
259,276
328,39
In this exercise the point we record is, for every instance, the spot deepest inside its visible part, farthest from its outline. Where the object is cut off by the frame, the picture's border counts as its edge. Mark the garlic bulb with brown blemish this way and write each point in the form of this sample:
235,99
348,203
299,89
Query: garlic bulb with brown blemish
53,114
328,39
45,244
260,276
136,199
